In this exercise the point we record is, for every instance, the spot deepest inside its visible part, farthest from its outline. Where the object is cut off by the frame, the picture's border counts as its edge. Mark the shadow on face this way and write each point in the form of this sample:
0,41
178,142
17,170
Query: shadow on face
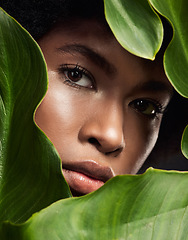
167,152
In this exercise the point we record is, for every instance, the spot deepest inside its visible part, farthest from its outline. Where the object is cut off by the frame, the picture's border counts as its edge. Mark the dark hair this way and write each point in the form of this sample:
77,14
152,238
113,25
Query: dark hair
38,16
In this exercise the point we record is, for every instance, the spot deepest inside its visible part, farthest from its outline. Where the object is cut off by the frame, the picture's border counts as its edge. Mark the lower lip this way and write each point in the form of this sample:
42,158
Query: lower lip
80,182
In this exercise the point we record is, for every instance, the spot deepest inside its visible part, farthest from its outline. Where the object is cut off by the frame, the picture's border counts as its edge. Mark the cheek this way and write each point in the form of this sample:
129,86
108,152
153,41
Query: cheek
55,115
140,138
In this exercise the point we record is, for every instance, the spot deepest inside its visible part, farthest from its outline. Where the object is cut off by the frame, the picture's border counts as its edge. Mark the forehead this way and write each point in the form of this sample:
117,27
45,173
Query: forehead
76,29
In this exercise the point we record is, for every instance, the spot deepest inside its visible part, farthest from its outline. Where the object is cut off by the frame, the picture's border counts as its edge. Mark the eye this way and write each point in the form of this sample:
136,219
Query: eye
147,107
77,76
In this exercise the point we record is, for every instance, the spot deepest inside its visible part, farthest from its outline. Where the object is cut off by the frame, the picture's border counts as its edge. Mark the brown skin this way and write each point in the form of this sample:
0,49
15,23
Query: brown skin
91,112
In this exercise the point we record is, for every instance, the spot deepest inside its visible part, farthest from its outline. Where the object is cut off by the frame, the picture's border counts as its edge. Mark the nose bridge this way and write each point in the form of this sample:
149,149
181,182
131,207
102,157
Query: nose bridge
105,127
110,118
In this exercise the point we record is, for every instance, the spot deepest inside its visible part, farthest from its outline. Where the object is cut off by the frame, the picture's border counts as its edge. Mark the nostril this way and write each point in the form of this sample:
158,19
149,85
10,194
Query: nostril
94,142
104,149
115,153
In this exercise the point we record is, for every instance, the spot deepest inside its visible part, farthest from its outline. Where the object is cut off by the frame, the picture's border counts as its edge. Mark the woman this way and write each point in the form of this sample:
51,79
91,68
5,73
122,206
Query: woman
104,106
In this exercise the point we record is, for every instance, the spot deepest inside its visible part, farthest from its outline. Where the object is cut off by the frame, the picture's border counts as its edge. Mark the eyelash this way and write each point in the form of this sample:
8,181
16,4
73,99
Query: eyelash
158,108
76,69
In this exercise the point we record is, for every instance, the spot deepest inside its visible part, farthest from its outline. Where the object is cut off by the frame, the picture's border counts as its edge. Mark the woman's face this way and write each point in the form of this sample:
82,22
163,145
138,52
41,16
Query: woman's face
103,107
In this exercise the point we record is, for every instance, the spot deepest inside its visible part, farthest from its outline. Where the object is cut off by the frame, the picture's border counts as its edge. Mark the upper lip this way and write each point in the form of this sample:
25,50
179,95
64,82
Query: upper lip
91,169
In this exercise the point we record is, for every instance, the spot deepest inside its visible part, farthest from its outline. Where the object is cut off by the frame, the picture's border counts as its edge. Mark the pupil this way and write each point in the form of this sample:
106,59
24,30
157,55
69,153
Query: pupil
75,75
142,105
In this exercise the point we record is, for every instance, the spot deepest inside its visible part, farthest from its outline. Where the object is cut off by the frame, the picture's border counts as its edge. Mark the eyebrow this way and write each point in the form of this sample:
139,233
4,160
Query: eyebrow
92,55
154,86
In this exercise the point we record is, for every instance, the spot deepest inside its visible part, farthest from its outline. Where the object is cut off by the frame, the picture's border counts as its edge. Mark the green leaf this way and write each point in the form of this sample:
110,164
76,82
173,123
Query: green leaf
152,206
30,169
185,142
176,56
136,26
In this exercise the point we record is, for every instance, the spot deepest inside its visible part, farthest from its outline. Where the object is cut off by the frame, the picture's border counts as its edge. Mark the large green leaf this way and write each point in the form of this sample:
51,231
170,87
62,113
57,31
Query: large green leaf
135,25
30,170
176,56
152,206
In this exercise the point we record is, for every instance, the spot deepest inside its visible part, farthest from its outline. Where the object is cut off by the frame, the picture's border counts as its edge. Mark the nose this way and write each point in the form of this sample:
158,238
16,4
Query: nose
104,130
